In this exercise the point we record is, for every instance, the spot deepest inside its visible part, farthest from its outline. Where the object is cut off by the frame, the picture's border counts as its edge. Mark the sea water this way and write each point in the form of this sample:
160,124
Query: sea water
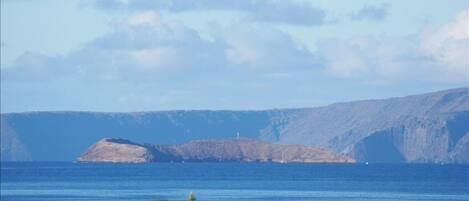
50,181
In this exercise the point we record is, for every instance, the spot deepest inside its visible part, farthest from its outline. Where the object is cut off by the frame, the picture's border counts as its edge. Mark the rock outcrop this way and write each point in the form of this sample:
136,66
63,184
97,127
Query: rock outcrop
234,150
117,151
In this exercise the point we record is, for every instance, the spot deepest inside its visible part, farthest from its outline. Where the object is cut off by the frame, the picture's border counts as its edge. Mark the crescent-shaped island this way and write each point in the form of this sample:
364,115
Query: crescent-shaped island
116,150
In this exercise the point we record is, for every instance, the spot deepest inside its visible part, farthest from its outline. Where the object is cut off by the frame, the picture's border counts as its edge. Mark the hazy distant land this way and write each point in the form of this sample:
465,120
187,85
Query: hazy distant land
430,128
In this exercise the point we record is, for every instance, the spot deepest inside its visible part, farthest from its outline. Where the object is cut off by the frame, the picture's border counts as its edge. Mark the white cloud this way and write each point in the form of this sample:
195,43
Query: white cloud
145,45
262,47
270,11
154,57
146,56
343,60
143,18
371,12
435,55
449,44
369,57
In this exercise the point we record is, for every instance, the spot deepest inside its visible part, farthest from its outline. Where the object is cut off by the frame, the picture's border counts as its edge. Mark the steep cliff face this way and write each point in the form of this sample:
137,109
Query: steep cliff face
235,150
430,127
343,124
421,128
434,138
12,149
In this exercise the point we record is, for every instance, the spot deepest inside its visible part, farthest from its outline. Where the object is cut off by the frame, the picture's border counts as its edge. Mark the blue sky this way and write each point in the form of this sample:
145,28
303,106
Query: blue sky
127,55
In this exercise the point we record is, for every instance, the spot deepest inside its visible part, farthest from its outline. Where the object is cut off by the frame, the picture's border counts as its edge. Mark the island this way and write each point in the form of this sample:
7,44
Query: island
116,150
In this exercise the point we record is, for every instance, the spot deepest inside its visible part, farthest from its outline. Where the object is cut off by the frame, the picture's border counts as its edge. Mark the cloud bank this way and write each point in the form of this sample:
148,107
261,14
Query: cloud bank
143,46
436,54
145,61
372,12
270,11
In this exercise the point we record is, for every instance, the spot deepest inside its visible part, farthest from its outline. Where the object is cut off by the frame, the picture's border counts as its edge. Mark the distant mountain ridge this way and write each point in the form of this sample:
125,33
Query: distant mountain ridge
432,127
226,150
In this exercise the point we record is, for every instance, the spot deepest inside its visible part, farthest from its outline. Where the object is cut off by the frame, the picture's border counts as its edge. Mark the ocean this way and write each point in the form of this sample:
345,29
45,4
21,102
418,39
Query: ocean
50,181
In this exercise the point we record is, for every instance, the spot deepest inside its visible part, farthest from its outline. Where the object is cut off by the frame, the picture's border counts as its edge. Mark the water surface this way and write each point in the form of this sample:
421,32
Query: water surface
233,181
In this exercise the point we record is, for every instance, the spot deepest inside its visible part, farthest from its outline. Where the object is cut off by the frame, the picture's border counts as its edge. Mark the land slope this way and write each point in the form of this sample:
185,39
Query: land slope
432,127
235,150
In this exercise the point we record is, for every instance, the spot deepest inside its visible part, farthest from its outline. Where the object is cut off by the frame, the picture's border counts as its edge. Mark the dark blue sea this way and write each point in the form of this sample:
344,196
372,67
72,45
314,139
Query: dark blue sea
232,181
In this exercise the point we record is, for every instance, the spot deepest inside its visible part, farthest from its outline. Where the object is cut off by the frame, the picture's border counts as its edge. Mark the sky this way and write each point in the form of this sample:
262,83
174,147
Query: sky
134,55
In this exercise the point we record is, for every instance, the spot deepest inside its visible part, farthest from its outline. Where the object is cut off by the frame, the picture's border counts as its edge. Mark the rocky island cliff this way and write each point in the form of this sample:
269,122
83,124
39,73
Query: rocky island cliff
117,150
